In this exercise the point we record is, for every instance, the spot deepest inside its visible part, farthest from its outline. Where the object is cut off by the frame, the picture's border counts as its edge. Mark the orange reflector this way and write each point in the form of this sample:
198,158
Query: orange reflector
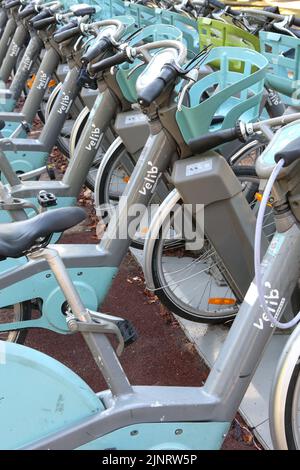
126,179
221,301
144,230
30,81
259,196
52,84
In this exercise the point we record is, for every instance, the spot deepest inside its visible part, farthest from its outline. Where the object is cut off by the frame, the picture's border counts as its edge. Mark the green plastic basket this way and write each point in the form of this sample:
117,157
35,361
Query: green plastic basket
232,95
144,15
187,26
283,54
126,75
219,34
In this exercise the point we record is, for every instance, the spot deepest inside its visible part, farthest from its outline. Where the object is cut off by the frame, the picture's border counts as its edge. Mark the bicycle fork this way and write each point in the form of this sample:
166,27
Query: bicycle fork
14,49
11,95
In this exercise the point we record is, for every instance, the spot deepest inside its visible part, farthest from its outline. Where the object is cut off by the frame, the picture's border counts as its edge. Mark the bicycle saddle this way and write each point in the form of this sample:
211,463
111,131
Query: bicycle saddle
17,237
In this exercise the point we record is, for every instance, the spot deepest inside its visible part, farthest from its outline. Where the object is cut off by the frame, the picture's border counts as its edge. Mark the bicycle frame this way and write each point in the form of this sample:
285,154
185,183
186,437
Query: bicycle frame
9,97
67,190
37,151
19,39
205,412
7,36
201,415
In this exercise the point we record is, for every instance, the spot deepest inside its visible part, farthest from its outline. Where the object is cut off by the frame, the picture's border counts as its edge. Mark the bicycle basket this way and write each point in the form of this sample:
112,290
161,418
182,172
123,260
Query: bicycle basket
218,34
283,54
144,15
127,74
229,95
187,26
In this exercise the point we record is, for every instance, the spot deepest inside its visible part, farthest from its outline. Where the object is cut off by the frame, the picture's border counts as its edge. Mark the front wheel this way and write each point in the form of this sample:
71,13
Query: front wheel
114,180
292,410
195,284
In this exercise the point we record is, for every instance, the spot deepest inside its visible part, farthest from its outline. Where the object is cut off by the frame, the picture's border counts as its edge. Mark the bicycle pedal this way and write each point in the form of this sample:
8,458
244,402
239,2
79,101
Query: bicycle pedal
47,199
51,172
128,331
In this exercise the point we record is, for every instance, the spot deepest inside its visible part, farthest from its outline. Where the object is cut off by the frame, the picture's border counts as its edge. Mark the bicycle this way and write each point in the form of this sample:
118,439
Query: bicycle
126,416
175,273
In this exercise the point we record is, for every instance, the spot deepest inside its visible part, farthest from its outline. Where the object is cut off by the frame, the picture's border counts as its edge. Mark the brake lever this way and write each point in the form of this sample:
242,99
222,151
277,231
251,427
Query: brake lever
217,15
281,26
192,77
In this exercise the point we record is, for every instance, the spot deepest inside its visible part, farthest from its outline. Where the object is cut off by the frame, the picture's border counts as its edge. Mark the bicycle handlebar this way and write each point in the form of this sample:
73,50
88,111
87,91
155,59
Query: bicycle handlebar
41,24
28,11
222,6
46,13
94,51
213,139
168,75
85,11
129,54
241,131
295,21
12,4
106,64
67,32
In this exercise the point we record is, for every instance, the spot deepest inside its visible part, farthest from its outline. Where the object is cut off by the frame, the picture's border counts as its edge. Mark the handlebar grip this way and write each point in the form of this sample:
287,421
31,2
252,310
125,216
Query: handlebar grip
67,34
27,11
66,27
41,24
217,4
149,94
295,21
85,11
46,13
222,6
212,139
272,10
296,32
94,51
106,64
14,3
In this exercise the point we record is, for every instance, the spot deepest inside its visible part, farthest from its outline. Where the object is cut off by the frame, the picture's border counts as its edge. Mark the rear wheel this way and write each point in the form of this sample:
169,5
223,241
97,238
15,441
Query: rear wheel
15,313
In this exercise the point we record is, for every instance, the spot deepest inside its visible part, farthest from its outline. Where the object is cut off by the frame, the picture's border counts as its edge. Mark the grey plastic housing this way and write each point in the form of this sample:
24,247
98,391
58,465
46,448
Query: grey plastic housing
229,223
133,128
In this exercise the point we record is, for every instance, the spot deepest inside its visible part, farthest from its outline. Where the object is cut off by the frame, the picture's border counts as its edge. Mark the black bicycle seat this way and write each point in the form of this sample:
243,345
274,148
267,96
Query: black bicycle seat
17,237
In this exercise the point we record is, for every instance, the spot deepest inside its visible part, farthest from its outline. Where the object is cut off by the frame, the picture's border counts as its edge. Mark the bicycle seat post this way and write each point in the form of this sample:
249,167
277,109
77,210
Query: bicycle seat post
64,281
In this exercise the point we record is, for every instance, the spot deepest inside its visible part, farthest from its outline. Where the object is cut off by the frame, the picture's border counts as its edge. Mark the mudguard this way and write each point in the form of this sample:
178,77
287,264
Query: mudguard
38,396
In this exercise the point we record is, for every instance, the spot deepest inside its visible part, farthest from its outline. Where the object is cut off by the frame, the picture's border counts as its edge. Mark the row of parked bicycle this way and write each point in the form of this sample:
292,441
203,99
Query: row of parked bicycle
182,117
